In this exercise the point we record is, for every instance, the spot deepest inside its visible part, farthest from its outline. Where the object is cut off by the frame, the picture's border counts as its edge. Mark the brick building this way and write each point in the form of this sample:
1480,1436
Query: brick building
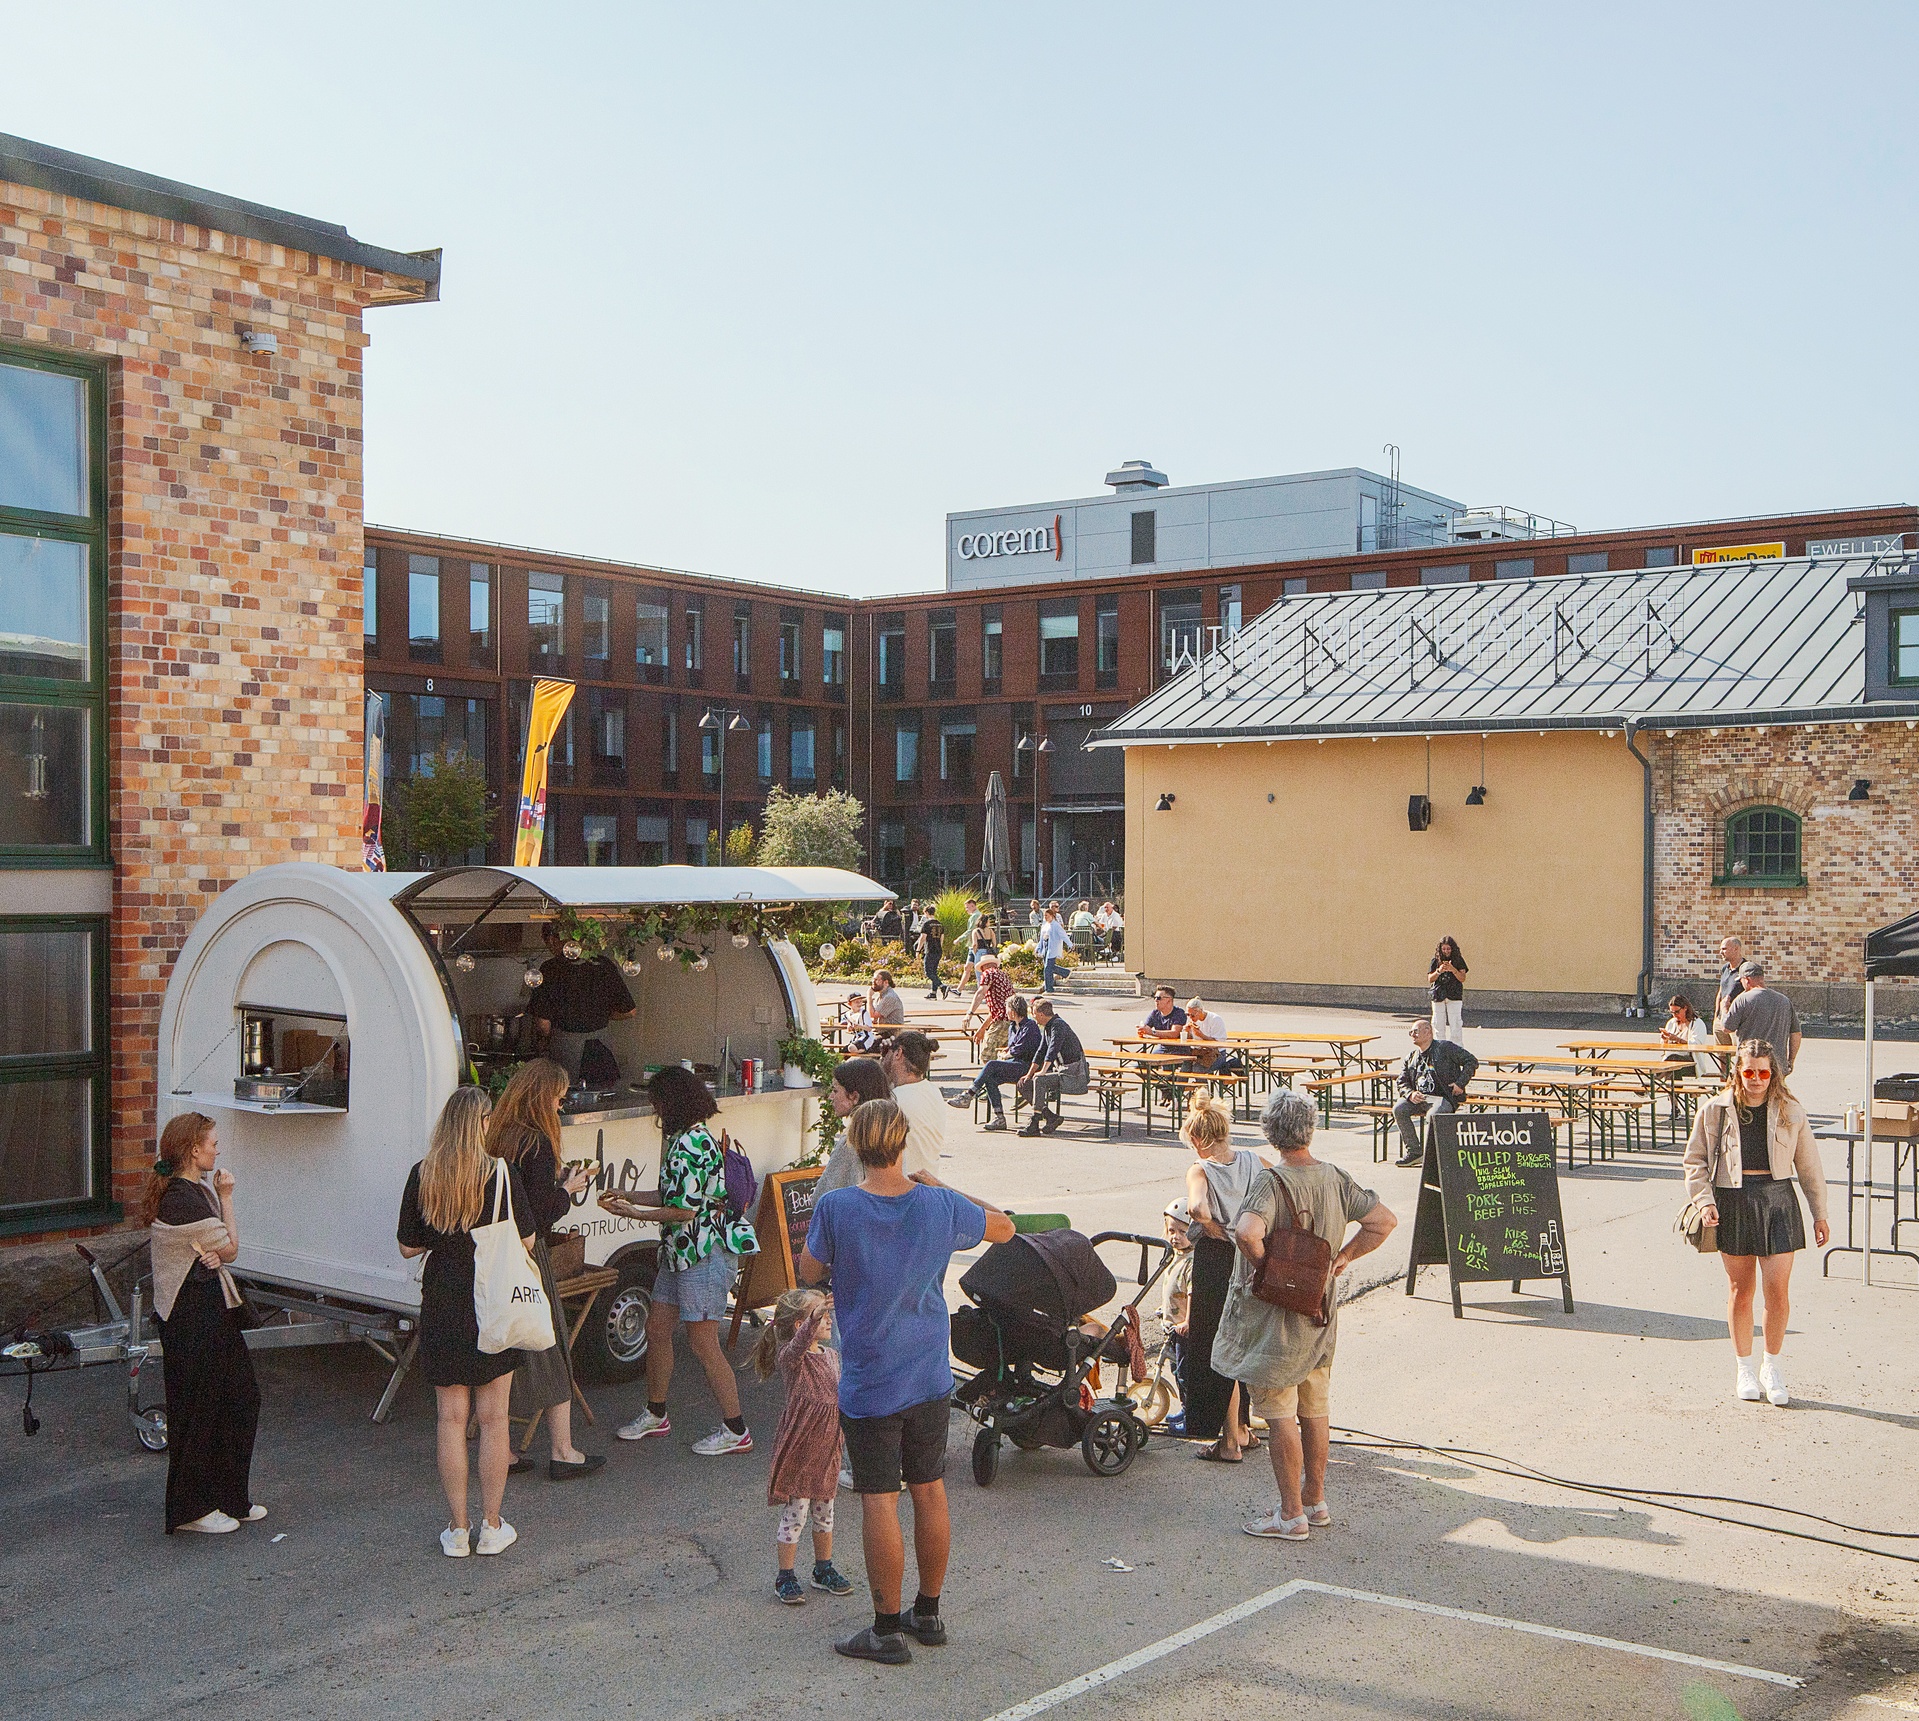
180,469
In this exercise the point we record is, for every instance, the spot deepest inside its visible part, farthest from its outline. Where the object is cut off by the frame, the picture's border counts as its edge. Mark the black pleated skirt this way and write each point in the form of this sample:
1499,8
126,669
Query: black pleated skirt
1761,1217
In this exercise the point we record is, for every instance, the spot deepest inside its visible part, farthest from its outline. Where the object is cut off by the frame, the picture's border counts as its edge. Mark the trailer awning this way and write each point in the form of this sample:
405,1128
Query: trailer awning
515,892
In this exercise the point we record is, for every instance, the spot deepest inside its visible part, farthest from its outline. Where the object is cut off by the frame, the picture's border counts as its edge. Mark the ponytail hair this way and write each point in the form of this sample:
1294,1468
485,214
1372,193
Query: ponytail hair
793,1310
181,1136
1208,1124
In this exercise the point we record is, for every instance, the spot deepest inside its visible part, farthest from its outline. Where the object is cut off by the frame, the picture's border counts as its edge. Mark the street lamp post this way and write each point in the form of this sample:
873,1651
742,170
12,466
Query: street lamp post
723,720
1036,746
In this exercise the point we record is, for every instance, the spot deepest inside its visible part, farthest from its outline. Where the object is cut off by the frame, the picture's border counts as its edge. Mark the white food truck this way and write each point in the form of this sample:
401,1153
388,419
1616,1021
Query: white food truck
322,1017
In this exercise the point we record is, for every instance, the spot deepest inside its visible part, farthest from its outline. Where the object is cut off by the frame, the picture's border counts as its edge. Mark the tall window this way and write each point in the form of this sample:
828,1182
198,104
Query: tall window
800,751
479,613
1905,646
1763,848
669,742
1106,641
649,847
992,648
1059,639
695,638
838,727
369,602
52,1066
833,652
1229,611
602,834
906,750
892,676
1179,625
763,751
1145,537
710,754
545,623
423,608
608,707
698,836
743,646
596,633
892,856
942,666
649,636
958,732
790,651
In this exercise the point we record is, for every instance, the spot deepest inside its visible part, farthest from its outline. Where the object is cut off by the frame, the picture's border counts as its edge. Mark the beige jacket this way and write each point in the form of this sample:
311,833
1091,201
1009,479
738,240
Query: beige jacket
1712,1152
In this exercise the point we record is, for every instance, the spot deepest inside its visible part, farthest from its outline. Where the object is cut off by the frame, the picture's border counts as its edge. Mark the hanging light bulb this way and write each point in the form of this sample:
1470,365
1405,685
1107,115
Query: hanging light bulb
532,976
629,966
828,952
572,950
701,963
741,940
464,962
665,952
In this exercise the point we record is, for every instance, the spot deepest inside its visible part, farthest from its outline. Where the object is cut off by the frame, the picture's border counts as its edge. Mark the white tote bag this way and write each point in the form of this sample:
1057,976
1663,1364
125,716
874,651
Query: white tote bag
508,1299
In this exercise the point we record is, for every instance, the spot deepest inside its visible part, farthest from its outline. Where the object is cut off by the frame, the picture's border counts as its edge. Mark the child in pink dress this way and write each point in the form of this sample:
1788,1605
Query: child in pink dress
806,1446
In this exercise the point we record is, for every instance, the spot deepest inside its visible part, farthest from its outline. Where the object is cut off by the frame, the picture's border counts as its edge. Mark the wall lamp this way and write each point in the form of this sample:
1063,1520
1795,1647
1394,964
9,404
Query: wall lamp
1476,795
1165,804
259,340
1861,790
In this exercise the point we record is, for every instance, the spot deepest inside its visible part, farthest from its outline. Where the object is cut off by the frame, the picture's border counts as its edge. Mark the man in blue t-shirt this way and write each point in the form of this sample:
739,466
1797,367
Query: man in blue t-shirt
1165,1020
887,1243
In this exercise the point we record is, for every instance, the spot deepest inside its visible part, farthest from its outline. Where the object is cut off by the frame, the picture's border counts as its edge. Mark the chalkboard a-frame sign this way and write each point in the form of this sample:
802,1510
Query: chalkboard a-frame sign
785,1216
1489,1203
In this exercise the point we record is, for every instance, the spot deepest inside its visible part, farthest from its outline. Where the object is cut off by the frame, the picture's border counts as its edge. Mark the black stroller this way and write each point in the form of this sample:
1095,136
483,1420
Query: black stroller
1034,1361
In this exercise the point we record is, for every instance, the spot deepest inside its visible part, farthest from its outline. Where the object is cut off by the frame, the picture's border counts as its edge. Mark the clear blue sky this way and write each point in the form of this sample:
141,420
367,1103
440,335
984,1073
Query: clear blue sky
767,291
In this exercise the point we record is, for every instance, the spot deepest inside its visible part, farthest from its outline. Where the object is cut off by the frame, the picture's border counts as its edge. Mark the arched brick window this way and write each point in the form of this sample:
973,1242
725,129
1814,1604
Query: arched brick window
1763,848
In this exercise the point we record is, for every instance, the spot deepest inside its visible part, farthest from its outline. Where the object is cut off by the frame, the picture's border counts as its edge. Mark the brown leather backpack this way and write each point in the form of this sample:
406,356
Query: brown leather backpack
1297,1271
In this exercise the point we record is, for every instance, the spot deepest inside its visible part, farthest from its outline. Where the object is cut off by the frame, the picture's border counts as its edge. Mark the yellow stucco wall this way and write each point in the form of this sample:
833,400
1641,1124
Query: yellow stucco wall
1325,885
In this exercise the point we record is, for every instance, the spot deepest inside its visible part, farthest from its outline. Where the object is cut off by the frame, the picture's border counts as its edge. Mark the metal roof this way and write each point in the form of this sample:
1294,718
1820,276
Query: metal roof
24,162
1745,643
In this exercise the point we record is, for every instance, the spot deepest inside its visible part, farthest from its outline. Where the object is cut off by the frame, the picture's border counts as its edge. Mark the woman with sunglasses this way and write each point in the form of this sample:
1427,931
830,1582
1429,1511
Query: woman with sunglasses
1747,1145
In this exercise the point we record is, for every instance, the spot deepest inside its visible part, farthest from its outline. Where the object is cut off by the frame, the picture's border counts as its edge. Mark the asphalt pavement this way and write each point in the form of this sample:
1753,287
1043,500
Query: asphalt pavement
1446,1588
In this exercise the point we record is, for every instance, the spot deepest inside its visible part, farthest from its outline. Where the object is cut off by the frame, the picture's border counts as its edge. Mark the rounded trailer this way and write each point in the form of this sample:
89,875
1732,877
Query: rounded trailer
322,1017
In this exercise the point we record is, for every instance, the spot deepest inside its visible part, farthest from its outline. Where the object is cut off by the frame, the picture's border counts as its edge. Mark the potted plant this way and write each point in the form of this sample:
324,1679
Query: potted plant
805,1061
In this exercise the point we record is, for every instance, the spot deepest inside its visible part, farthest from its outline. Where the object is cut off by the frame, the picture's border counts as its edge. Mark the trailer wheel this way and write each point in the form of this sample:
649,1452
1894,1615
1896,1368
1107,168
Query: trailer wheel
985,1457
150,1428
613,1347
1110,1441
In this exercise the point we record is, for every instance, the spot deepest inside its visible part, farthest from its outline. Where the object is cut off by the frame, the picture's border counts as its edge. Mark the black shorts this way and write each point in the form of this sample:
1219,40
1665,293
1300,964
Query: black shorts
909,1446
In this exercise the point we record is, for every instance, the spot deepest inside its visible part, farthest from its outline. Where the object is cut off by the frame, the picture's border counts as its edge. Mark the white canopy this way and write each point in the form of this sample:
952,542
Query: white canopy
542,889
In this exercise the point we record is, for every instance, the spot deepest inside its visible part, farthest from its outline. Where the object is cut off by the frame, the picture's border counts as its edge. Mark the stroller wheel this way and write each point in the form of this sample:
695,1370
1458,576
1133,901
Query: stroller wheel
985,1457
1110,1441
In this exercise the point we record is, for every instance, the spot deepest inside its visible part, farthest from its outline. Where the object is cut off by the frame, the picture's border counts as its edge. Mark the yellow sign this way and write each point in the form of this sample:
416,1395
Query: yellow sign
1738,553
548,706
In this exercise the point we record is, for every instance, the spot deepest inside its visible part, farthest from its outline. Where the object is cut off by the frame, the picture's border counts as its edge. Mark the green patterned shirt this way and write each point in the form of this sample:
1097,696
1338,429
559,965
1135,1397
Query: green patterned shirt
693,1176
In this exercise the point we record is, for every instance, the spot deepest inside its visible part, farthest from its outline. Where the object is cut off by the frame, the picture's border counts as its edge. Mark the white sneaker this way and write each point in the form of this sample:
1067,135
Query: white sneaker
255,1513
496,1538
215,1523
1774,1382
646,1426
1320,1517
846,1479
1748,1386
723,1440
453,1543
1282,1529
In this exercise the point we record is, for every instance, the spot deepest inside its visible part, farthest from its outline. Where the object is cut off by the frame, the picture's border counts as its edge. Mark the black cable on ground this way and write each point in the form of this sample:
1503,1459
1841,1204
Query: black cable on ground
1496,1464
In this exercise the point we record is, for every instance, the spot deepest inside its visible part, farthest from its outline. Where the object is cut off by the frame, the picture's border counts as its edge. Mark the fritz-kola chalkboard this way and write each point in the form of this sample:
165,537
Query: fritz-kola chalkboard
1489,1203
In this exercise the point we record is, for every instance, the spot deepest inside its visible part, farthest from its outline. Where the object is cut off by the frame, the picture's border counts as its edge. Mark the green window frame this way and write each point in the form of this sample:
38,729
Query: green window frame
1902,645
94,1203
52,696
1764,849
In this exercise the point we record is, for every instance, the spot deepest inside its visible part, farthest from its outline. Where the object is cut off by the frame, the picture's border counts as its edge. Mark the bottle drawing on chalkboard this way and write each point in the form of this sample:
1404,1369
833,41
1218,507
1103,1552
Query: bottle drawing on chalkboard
1551,1260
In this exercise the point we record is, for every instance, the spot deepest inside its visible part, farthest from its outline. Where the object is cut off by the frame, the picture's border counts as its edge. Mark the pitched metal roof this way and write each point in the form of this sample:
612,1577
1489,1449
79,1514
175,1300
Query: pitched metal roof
1747,643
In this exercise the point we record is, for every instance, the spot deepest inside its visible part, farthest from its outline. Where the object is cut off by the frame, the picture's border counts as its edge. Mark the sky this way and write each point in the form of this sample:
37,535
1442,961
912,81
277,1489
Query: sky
767,292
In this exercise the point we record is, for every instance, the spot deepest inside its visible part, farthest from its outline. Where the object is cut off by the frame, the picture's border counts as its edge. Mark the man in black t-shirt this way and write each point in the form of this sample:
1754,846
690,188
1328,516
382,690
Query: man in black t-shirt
575,1000
1165,1020
1059,1069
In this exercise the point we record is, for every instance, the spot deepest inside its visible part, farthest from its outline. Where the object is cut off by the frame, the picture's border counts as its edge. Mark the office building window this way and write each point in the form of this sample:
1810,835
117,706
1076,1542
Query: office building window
1369,580
649,636
695,638
670,740
369,603
1588,562
545,622
799,751
479,613
601,832
742,646
1297,588
698,835
1022,727
1145,537
839,753
710,755
1106,641
596,631
1454,573
1229,612
609,728
790,650
1517,568
1059,639
892,856
649,839
957,736
1179,625
946,844
423,608
892,676
1664,556
942,650
992,646
763,751
833,652
906,750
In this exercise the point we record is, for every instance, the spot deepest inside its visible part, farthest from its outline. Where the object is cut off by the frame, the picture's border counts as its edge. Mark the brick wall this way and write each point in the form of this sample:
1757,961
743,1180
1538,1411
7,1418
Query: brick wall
234,677
1861,858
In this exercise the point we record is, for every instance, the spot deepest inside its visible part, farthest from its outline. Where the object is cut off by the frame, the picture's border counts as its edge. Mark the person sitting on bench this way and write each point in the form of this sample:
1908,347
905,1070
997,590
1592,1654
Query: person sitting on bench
1433,1079
1060,1069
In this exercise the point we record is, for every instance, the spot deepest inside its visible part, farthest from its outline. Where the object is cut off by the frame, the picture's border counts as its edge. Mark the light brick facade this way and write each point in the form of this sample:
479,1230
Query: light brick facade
233,579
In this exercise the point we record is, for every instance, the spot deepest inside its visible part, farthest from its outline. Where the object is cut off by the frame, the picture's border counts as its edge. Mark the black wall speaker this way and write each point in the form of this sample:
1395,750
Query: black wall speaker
1419,812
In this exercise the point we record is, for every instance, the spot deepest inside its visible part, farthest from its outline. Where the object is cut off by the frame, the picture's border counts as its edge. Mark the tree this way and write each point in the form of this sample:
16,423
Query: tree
812,830
433,818
740,844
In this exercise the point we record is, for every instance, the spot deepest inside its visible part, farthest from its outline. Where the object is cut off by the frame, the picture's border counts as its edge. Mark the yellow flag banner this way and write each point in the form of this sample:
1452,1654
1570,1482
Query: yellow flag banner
548,706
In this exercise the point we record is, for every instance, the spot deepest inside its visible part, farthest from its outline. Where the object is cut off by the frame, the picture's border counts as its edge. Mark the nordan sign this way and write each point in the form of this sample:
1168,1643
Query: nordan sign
1019,541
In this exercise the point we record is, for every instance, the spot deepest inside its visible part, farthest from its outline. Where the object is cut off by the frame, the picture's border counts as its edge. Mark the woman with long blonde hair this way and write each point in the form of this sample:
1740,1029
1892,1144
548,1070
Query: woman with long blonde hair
1213,1408
1747,1144
447,1194
525,1131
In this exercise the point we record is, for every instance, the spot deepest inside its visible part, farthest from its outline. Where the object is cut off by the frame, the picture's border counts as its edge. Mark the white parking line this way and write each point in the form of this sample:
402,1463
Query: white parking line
1258,1604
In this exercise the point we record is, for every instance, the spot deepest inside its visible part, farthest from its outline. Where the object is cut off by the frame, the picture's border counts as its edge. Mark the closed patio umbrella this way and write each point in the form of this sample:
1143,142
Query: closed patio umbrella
996,853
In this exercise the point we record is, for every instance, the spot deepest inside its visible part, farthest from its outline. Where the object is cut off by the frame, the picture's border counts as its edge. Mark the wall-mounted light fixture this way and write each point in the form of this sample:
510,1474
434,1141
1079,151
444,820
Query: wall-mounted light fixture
259,340
1165,804
1861,790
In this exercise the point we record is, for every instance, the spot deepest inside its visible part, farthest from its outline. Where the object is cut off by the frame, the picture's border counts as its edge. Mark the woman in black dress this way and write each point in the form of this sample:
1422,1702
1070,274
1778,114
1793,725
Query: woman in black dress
447,1194
213,1400
525,1132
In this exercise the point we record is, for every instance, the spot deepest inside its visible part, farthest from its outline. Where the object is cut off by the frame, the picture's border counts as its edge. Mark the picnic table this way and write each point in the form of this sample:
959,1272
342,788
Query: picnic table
1656,1075
1601,1045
